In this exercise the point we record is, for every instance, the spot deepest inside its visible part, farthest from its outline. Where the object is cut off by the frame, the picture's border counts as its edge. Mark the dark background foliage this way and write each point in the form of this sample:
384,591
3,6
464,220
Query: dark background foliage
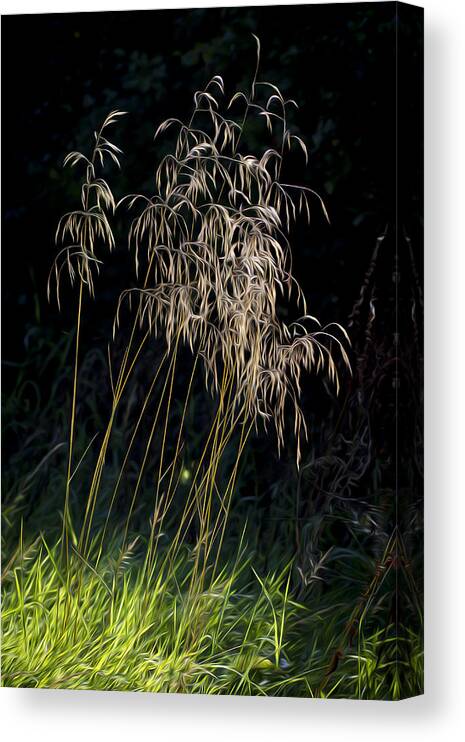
63,73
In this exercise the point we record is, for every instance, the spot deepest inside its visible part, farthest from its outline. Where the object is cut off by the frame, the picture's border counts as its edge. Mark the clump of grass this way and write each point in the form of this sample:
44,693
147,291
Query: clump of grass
244,634
212,253
215,243
127,635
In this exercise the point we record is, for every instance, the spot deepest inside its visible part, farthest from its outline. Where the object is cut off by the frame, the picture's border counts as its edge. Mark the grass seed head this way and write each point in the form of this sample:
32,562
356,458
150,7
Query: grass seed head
215,239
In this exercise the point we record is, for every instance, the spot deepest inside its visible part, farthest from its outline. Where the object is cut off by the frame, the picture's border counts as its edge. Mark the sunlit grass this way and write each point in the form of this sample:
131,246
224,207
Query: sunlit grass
118,628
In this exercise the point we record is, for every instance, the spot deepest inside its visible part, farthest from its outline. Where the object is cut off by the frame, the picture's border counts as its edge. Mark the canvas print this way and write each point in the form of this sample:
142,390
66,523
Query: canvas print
212,351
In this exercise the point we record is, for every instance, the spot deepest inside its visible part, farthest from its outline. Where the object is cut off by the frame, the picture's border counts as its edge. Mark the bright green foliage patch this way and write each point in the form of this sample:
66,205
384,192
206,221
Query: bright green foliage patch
112,629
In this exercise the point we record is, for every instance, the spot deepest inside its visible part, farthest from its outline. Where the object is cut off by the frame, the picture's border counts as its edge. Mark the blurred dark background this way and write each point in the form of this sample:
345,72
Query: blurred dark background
63,73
